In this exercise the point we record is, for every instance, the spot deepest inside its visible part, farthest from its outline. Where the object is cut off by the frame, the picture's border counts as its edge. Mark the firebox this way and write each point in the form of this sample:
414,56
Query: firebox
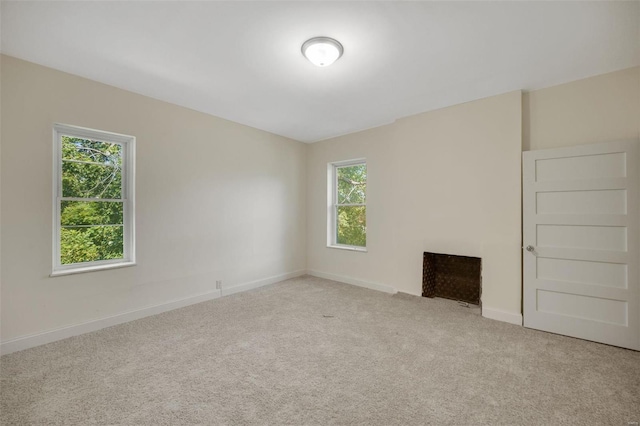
452,277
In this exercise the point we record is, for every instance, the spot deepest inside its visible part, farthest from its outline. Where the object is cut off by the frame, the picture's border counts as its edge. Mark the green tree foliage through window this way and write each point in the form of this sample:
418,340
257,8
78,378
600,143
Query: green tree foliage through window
93,229
351,211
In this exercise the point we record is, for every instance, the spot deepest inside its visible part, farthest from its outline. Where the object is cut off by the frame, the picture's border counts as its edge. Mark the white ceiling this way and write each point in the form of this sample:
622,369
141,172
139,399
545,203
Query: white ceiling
242,61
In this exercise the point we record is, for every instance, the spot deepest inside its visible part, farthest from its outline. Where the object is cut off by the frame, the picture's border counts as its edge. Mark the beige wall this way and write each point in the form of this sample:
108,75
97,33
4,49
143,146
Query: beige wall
449,181
596,109
446,181
215,201
218,200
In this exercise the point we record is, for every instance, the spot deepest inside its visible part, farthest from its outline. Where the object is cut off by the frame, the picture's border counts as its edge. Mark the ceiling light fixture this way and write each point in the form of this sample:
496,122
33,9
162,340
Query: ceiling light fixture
322,51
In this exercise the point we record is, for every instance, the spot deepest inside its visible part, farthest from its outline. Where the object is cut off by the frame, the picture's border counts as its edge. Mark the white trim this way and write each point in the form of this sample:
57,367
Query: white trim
30,341
261,283
500,315
332,202
93,134
128,144
33,340
411,293
353,281
344,247
83,269
346,163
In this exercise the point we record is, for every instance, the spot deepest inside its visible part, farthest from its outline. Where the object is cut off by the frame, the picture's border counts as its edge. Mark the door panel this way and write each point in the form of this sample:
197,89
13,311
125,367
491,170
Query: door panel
613,201
581,236
581,229
582,272
596,166
579,306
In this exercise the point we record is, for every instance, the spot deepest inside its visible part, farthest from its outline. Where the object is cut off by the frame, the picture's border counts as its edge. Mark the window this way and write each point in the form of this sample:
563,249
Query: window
347,224
93,200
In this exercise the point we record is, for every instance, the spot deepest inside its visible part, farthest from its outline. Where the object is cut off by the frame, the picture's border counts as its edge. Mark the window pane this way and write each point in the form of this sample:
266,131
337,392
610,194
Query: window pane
85,180
352,225
86,244
90,150
352,184
91,169
74,213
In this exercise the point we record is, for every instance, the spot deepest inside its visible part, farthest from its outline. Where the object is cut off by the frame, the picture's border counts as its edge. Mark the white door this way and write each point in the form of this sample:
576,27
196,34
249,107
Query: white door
581,235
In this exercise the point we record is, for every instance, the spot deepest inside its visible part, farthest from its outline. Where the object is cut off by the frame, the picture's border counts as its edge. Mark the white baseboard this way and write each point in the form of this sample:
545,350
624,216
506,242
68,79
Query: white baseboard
262,282
411,293
500,315
33,340
353,281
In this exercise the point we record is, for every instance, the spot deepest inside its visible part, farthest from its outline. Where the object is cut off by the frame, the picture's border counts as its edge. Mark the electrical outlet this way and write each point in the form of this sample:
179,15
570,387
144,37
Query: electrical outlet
218,284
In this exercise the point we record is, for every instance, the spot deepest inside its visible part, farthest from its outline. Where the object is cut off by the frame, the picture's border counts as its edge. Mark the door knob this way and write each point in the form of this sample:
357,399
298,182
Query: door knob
530,248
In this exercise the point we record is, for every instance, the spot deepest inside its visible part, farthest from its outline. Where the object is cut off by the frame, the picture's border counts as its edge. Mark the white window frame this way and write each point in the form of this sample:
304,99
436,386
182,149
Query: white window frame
332,203
127,198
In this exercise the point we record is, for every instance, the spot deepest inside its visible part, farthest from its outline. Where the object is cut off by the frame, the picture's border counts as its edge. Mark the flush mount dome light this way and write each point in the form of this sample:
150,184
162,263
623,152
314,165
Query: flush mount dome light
322,51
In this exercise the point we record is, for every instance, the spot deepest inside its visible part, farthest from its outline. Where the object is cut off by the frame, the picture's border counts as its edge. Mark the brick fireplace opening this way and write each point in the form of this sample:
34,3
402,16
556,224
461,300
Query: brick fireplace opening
452,277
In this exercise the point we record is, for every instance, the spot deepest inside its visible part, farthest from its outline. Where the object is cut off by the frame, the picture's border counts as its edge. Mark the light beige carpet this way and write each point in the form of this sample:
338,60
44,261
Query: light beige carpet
312,351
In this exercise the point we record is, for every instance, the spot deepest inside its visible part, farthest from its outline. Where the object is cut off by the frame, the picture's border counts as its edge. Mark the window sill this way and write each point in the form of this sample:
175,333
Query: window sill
81,270
349,248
